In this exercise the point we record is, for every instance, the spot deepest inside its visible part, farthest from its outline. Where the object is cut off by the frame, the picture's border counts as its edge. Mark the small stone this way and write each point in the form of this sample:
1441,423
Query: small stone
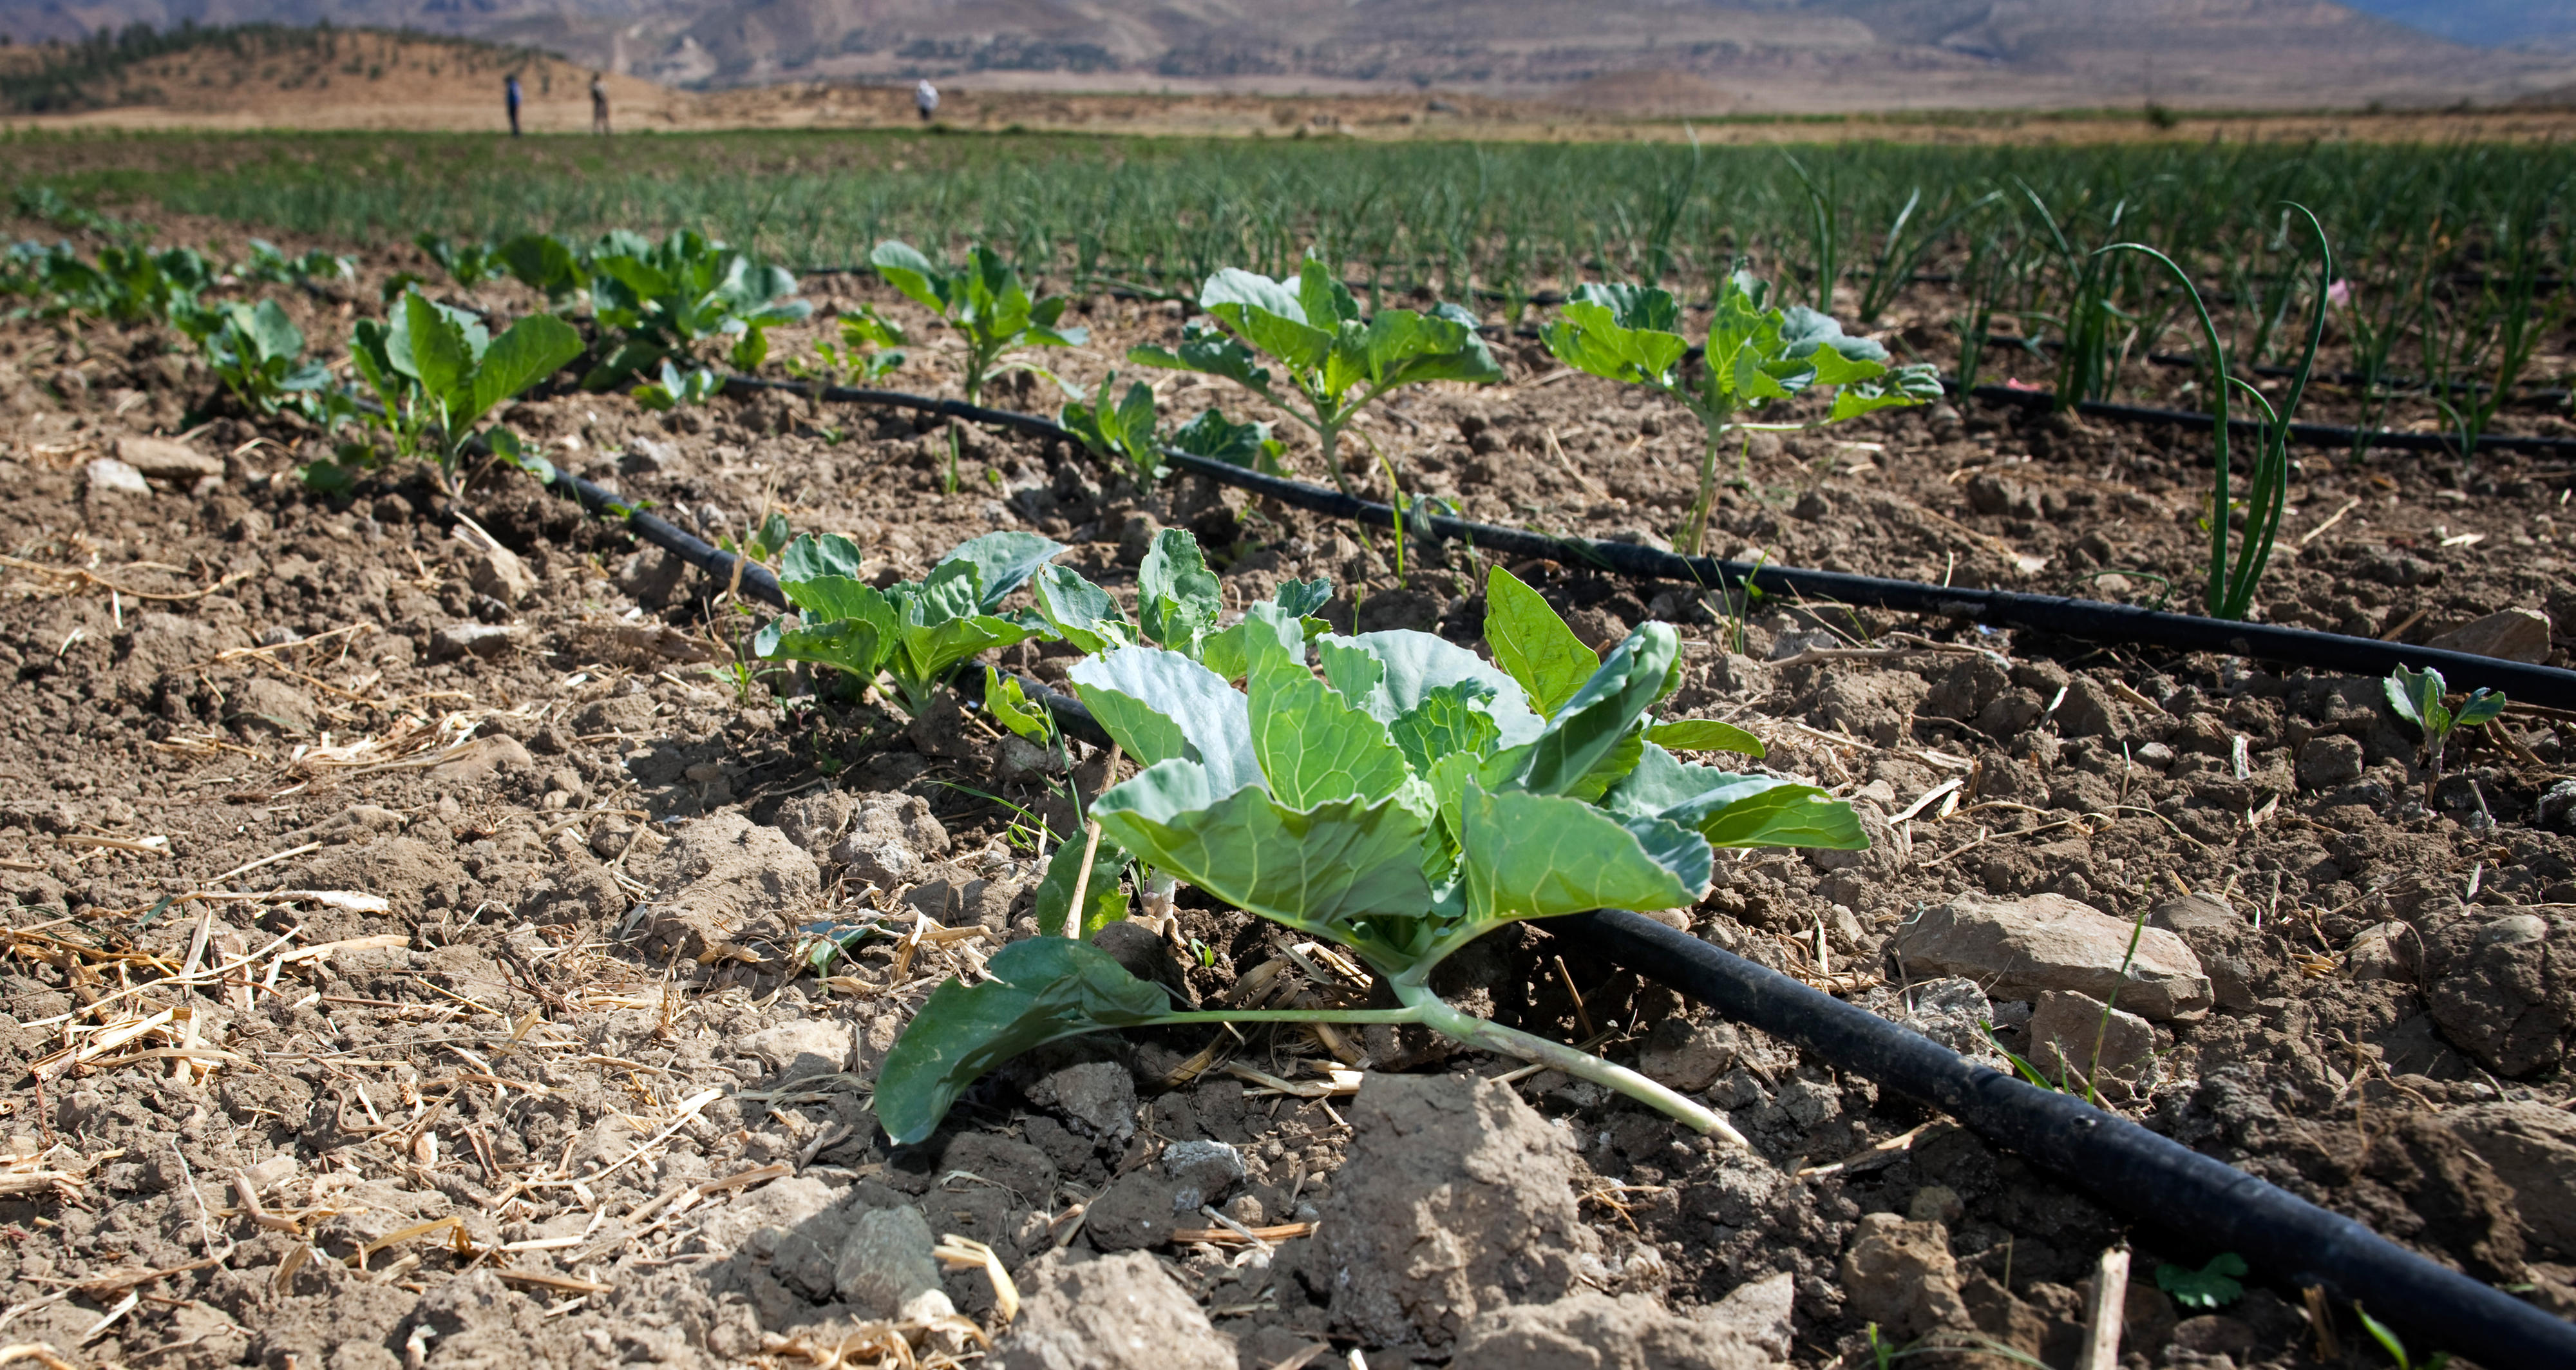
704,773
107,475
884,1268
1688,1056
875,859
1117,1313
2067,1030
485,640
1935,1203
2022,948
1098,1097
1900,1275
811,1046
1592,1329
2155,756
629,714
2532,1148
271,707
1204,1170
649,457
2329,760
2376,952
1136,537
163,459
651,576
2509,635
499,573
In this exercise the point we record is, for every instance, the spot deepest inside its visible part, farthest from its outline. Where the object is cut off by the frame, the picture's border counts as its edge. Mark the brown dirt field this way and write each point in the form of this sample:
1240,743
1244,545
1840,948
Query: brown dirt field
576,1029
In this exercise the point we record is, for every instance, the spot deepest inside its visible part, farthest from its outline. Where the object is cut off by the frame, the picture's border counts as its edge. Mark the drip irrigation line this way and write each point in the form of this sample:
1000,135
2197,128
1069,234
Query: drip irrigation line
2148,1178
2200,1201
2091,619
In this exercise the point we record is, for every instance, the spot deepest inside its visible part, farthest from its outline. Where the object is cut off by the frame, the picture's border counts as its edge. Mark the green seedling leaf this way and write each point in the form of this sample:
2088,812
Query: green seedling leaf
531,350
1317,870
1600,714
1083,612
1531,642
1162,706
1312,745
2211,1287
1448,722
1104,900
2479,709
1391,674
2417,698
1005,700
1303,597
1248,445
1003,562
1210,352
1177,597
1536,856
1043,989
1705,735
852,645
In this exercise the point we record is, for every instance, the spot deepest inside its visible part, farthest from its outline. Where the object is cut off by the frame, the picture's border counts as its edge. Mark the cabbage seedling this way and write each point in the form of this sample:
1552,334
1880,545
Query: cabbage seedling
1126,430
918,632
2418,697
1331,364
439,369
1755,354
679,296
1404,803
988,305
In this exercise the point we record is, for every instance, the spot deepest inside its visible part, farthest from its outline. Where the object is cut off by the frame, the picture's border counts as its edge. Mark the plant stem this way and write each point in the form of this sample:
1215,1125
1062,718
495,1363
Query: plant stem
1492,1036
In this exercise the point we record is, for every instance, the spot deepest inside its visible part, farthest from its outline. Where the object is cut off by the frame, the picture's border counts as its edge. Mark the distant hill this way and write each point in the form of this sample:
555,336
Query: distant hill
2529,25
1658,56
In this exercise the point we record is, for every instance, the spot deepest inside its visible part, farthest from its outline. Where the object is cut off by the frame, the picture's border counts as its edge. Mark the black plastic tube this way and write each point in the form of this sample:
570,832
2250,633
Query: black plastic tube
2150,1179
2085,618
2128,1169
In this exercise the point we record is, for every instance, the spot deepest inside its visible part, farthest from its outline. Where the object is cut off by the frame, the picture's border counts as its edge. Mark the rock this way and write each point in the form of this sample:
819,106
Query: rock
1589,1330
628,714
2328,761
1116,1313
809,1046
1136,537
814,821
724,876
1205,1172
2022,948
2556,809
1900,1275
649,457
1759,1312
651,577
270,707
2532,1148
498,572
2066,1028
890,838
478,761
2378,952
2090,709
2503,989
1136,1212
1097,1097
2226,945
1688,1056
162,459
108,476
2510,635
1143,953
1878,705
1455,1198
884,1268
485,640
1952,1011
1974,683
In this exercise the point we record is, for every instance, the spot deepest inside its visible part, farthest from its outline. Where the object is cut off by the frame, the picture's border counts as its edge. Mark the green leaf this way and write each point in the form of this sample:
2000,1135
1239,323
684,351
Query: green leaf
533,349
1005,700
1599,715
2417,698
1042,989
1705,735
1208,351
1002,562
1313,746
2480,708
1734,810
1447,721
1086,614
1161,706
2211,1287
1104,900
275,334
1248,445
1531,642
828,555
433,351
1391,673
908,271
1177,597
853,645
1317,869
1535,856
1405,348
1303,597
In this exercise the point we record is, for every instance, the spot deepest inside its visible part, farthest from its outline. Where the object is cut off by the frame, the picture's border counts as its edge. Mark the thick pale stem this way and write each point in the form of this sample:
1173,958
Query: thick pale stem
1583,1065
1331,436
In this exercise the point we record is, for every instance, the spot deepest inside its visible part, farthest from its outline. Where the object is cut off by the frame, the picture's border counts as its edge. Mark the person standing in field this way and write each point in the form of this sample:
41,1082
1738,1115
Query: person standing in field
510,94
598,105
925,97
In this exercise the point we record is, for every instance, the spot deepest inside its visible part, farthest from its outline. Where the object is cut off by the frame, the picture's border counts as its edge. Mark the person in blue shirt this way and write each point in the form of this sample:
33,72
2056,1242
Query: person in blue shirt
510,92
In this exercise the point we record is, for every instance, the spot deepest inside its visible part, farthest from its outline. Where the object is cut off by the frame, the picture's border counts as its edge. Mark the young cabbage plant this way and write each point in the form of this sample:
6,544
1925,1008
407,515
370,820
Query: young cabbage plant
2232,579
471,264
1331,364
1755,354
918,632
258,353
438,371
1178,601
2419,698
1128,431
681,296
985,301
675,389
1404,803
865,352
544,263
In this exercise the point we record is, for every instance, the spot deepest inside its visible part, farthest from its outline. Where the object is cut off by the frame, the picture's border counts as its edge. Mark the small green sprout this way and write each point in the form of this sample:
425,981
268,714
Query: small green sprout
2211,1287
2419,698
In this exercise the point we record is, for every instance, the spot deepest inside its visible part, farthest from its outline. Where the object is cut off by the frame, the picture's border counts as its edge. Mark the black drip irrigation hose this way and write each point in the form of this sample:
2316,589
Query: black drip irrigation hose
2094,620
2162,1184
2153,1180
